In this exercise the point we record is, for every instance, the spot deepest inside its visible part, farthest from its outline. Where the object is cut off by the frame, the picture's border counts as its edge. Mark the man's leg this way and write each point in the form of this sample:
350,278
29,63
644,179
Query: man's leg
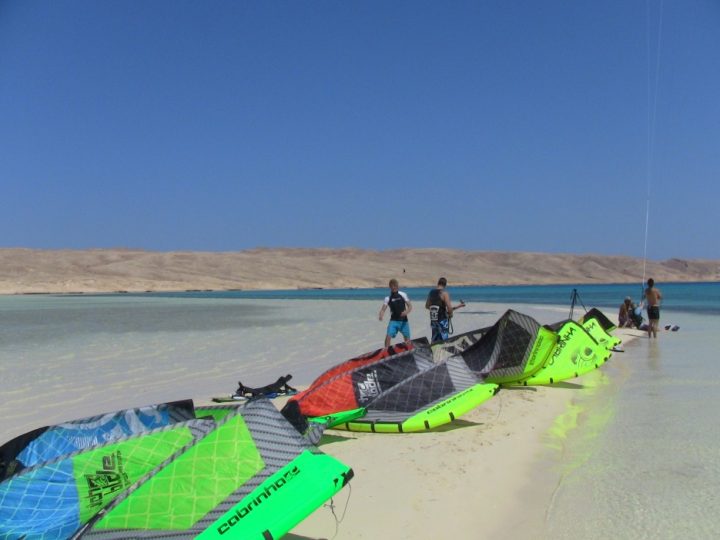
445,329
405,329
435,332
392,330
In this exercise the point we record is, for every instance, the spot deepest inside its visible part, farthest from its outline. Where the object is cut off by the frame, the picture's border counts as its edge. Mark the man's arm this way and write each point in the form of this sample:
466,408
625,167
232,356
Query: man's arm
448,305
408,308
382,311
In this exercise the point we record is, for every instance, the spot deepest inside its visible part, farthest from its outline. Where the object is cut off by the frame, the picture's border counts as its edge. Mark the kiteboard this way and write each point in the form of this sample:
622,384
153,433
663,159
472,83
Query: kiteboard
244,393
241,399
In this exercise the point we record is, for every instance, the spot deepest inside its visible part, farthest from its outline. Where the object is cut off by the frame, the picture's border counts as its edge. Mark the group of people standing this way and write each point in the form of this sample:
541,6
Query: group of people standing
441,311
438,303
629,316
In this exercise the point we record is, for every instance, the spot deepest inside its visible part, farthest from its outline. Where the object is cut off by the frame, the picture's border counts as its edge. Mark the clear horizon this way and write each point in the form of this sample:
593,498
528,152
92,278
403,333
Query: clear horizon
495,126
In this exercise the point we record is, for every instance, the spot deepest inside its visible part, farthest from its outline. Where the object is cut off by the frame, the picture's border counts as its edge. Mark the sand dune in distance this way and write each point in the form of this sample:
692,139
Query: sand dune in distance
107,270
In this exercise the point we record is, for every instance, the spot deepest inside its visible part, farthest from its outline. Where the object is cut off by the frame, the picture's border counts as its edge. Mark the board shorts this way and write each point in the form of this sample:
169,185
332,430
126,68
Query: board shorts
653,313
398,326
440,330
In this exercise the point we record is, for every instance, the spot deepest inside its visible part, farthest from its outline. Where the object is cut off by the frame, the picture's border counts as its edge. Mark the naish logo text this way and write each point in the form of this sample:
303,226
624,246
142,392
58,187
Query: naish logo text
268,492
369,388
563,341
600,336
108,481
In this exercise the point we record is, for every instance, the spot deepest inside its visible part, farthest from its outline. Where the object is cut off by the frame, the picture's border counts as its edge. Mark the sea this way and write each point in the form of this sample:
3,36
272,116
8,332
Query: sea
689,297
636,455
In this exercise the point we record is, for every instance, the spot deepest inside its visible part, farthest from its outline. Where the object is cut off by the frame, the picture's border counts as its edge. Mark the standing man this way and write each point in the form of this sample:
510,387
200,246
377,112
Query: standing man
441,310
653,297
400,307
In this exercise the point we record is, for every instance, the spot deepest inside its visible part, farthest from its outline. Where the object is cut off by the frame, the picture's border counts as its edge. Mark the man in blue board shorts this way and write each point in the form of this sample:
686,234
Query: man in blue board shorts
400,307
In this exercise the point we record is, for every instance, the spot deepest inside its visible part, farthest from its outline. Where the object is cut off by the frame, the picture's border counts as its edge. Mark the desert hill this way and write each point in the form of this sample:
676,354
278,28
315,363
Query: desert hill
105,270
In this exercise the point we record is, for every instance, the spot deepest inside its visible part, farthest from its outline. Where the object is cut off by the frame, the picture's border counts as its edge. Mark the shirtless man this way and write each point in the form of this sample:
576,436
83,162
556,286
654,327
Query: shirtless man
653,296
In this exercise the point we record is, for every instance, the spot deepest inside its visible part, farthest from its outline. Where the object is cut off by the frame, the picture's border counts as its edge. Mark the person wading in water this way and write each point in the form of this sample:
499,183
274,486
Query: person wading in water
653,297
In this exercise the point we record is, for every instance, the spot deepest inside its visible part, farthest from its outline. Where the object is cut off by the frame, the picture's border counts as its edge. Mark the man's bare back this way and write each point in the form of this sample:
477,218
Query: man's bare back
653,296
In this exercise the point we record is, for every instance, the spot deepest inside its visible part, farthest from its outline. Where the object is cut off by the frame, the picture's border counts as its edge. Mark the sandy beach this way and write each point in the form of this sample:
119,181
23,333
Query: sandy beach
466,480
491,474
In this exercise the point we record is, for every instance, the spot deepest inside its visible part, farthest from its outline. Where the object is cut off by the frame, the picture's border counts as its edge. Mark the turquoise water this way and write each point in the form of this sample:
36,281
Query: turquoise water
690,297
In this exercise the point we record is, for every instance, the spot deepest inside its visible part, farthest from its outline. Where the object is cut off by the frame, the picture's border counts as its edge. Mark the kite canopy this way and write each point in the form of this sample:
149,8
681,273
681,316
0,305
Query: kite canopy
391,391
517,350
420,386
574,354
599,327
512,349
237,472
456,344
604,322
351,385
426,400
49,442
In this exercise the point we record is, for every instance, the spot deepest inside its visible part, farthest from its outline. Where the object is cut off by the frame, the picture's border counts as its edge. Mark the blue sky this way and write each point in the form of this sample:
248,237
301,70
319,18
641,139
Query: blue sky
487,125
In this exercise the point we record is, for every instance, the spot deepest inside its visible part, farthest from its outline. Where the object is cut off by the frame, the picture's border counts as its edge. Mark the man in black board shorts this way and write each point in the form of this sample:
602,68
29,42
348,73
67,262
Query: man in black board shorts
653,296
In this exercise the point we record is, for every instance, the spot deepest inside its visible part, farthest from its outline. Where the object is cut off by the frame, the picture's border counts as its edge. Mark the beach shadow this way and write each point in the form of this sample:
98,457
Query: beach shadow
564,384
452,426
291,536
328,439
518,387
533,388
458,312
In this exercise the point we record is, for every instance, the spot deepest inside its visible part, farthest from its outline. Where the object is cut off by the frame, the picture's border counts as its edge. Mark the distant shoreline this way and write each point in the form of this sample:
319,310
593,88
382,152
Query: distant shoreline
689,297
29,271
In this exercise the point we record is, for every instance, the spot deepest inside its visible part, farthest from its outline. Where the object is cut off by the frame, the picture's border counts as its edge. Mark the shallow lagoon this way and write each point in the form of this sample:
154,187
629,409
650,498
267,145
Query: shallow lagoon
642,457
635,456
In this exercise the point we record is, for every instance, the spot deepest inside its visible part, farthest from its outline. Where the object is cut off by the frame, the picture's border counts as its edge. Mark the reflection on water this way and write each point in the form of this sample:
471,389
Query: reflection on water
654,353
653,471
